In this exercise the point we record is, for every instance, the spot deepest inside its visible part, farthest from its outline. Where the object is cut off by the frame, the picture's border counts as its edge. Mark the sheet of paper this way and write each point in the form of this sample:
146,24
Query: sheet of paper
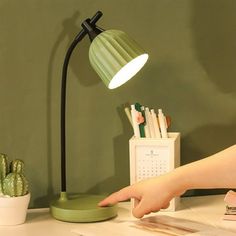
110,228
160,225
171,226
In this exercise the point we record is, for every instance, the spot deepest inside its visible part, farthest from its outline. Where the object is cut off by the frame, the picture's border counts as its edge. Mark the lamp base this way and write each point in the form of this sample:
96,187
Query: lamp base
81,209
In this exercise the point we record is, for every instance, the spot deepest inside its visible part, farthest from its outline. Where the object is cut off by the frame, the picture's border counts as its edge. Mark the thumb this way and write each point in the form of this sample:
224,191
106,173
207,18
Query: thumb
141,209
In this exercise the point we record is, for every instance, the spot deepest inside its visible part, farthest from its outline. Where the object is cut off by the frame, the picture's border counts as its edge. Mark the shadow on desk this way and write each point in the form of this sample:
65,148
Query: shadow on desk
37,215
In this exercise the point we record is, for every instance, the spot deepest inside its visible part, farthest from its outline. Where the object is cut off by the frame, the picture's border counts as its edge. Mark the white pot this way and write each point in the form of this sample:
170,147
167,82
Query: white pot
13,210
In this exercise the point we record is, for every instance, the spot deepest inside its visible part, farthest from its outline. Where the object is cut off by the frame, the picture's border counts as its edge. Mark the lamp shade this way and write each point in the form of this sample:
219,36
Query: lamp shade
116,57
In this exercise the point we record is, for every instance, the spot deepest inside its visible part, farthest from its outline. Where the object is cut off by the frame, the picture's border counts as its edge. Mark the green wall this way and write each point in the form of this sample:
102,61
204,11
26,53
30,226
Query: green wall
190,75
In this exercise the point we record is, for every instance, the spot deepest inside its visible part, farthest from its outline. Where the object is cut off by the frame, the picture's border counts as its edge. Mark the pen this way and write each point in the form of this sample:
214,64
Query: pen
155,124
134,121
149,122
146,128
162,123
141,125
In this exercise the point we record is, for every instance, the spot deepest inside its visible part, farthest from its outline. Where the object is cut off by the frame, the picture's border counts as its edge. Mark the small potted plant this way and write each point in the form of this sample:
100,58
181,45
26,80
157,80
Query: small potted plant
14,192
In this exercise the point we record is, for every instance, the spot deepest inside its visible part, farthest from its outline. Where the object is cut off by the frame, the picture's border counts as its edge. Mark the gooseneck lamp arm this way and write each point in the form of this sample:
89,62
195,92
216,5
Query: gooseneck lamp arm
90,28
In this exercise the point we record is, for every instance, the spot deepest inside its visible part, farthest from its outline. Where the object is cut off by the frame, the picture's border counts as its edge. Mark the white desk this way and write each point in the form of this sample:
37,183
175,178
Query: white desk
208,210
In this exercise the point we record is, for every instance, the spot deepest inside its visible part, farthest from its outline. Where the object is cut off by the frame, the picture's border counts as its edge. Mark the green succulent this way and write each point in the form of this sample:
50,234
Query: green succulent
17,166
3,169
15,185
13,182
3,165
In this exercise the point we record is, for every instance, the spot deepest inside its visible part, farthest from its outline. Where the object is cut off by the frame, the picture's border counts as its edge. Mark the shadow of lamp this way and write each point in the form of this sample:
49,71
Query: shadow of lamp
116,58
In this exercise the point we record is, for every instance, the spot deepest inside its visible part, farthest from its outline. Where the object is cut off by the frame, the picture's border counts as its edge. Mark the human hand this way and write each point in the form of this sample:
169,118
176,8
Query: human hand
150,195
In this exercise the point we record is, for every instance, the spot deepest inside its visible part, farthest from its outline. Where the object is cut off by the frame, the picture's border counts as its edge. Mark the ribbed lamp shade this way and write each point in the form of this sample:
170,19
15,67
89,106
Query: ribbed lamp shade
116,57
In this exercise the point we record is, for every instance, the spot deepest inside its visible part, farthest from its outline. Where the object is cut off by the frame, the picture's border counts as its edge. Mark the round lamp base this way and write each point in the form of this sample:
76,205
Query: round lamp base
81,208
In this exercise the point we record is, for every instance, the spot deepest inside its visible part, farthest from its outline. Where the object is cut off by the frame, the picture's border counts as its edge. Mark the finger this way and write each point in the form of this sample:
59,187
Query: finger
119,196
141,209
145,206
136,202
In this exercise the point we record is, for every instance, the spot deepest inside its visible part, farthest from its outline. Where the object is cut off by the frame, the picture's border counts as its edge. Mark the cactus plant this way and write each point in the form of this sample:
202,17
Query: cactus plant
17,166
3,165
14,183
3,169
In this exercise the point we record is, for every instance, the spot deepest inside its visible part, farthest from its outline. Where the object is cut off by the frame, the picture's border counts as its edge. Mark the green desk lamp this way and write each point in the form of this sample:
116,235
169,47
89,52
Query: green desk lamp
116,58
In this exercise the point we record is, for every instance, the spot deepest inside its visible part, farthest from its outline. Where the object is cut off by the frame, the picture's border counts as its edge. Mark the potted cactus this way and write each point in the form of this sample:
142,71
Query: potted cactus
14,193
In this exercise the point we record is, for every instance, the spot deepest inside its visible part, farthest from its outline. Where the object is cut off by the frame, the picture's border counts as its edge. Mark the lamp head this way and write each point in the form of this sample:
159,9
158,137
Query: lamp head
116,57
113,54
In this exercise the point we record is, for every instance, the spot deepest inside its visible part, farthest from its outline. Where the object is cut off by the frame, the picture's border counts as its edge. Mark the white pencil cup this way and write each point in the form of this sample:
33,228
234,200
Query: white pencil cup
150,157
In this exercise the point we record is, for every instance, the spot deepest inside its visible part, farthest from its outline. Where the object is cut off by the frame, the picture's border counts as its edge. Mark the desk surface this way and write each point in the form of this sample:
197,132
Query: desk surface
207,210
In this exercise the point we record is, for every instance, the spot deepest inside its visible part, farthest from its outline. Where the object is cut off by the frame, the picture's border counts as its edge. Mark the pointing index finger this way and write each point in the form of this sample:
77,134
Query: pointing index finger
122,195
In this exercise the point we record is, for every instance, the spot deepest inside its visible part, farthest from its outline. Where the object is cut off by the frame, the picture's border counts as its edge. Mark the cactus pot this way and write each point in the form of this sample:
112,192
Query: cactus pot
13,210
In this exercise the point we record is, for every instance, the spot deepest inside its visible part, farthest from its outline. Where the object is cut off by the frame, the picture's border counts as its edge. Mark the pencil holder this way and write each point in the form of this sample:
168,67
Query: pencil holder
151,157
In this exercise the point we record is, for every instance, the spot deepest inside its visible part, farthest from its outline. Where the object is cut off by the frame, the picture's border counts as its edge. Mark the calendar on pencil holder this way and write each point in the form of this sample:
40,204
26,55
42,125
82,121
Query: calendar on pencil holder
150,157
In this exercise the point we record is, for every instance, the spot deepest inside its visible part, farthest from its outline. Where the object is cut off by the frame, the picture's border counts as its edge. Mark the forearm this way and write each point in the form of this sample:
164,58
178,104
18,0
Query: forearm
216,171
